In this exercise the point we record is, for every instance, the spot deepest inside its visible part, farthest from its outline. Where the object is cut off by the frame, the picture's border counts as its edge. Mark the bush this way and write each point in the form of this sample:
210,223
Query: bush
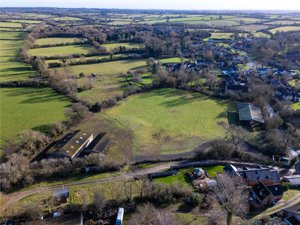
285,186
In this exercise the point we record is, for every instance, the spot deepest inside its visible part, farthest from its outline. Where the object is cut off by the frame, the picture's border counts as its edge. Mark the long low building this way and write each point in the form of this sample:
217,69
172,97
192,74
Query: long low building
72,144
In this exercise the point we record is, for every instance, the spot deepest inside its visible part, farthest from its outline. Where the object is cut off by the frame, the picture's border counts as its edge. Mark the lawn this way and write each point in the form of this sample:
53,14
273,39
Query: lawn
29,108
170,120
10,68
285,29
53,41
61,50
182,177
296,106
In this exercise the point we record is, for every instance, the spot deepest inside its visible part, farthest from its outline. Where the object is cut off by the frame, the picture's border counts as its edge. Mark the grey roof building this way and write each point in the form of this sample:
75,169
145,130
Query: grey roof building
248,112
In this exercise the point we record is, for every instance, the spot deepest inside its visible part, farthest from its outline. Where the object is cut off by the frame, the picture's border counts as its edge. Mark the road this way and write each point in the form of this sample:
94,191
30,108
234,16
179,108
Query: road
17,196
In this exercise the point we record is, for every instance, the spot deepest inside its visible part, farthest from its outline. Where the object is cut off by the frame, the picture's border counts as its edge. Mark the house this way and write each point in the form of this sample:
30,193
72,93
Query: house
71,145
266,195
253,176
294,180
292,215
250,115
198,172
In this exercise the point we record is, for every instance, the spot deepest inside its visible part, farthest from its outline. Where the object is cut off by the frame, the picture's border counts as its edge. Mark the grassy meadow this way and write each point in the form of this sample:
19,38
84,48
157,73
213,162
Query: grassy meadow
58,40
285,29
29,108
111,47
61,50
169,120
10,68
10,24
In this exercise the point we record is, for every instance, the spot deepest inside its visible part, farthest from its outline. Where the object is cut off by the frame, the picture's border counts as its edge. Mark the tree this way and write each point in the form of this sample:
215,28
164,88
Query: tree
27,143
232,195
76,113
148,214
99,201
32,210
236,136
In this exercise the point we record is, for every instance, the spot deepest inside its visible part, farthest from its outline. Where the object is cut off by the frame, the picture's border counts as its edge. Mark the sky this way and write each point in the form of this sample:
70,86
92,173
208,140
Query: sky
160,4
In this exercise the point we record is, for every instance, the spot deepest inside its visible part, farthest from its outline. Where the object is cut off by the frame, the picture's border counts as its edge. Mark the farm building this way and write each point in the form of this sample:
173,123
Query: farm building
250,115
253,176
294,180
71,145
266,195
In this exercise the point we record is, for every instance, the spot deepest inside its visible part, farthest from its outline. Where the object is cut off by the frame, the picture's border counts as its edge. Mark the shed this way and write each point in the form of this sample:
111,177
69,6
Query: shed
248,112
294,180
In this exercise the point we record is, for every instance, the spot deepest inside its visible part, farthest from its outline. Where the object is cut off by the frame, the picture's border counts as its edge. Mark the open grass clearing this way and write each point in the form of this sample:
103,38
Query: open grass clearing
285,29
10,24
108,68
61,50
252,27
26,21
296,106
111,47
29,108
10,67
182,176
85,59
68,18
170,120
58,40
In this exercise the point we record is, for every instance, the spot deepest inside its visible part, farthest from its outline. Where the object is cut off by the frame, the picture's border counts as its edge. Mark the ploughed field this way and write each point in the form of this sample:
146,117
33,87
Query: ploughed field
170,120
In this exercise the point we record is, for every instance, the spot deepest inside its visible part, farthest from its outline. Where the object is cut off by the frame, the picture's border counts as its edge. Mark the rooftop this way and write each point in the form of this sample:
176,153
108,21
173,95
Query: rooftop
71,142
248,112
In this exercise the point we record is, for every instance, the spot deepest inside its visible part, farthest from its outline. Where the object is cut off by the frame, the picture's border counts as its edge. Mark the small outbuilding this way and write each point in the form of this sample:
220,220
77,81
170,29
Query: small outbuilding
293,180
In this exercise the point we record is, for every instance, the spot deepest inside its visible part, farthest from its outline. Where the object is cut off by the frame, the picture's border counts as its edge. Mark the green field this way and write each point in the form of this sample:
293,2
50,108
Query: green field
9,24
10,68
285,29
53,41
108,81
26,21
169,120
29,108
296,106
61,50
84,59
117,45
66,18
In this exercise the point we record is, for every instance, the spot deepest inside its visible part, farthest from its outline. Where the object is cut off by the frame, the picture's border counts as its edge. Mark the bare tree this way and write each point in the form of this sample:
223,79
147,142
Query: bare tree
236,136
149,215
232,195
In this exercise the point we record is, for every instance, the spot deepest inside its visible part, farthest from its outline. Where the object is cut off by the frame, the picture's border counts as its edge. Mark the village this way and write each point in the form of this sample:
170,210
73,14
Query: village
150,117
